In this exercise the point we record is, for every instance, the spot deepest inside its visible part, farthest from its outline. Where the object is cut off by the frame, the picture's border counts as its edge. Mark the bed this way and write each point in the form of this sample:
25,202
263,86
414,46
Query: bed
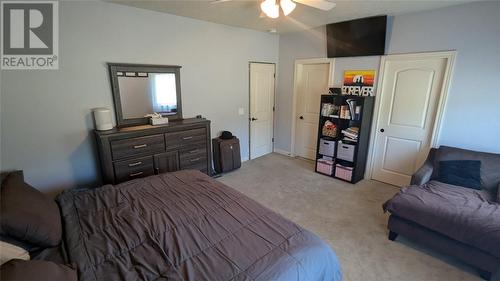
186,226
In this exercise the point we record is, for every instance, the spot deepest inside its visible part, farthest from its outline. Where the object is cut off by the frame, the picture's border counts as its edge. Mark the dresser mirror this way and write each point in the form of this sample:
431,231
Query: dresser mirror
139,90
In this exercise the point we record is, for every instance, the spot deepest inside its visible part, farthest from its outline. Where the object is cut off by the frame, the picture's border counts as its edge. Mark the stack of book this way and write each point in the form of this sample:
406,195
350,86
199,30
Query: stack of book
351,134
344,112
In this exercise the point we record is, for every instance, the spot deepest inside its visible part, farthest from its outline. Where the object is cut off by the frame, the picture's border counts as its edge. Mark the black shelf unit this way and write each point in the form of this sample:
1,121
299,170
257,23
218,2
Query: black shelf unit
360,147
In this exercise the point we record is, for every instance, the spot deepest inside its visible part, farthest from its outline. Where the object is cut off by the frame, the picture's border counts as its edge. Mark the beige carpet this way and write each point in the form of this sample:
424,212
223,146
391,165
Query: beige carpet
349,217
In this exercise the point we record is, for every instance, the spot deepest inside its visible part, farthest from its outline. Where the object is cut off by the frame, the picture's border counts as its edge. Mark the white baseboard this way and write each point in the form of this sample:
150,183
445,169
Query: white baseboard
244,159
283,152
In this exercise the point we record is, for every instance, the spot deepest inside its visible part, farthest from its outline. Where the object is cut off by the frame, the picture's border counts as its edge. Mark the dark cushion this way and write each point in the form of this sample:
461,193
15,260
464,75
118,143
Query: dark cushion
28,215
21,270
466,173
490,164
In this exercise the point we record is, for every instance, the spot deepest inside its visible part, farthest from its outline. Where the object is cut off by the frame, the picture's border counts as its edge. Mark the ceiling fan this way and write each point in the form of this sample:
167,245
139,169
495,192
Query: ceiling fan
272,7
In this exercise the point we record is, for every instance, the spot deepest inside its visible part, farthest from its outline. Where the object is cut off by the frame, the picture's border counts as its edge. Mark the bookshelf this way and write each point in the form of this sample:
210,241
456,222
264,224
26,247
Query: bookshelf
343,155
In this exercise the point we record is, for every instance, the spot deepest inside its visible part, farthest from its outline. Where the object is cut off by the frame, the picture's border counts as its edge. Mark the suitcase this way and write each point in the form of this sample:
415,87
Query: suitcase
227,155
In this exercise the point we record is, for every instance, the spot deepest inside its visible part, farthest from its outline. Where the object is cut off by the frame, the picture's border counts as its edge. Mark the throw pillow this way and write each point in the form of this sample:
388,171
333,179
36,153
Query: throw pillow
28,215
466,173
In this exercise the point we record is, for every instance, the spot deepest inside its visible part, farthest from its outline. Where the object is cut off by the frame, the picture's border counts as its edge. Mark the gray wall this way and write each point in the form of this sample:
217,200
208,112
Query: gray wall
472,114
297,45
45,115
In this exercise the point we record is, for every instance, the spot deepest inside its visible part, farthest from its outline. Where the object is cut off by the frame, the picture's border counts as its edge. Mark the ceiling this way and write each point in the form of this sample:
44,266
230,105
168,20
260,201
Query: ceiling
247,14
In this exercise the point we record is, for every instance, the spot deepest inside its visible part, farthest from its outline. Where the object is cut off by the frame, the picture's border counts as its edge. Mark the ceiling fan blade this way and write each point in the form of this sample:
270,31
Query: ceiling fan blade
219,1
318,4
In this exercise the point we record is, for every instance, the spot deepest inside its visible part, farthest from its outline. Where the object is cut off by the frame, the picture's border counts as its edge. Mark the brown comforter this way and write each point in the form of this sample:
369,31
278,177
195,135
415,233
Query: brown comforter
186,226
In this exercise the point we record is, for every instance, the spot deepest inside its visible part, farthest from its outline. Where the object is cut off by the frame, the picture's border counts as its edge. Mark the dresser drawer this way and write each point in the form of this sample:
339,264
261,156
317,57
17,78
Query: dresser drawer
137,146
134,168
193,152
194,162
194,137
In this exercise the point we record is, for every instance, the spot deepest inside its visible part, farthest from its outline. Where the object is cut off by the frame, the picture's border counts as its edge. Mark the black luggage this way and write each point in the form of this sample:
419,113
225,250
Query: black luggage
227,155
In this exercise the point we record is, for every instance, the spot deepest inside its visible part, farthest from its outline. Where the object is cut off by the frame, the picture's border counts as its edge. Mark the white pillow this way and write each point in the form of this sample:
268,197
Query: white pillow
9,252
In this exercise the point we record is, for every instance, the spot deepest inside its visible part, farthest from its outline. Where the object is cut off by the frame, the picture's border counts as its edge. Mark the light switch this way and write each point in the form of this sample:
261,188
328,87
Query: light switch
241,111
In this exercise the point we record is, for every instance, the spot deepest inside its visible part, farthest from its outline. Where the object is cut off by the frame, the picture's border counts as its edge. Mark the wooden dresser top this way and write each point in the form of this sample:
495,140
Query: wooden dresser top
141,128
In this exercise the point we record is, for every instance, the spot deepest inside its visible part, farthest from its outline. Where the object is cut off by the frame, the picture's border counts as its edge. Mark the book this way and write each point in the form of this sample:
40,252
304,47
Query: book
350,135
349,140
353,129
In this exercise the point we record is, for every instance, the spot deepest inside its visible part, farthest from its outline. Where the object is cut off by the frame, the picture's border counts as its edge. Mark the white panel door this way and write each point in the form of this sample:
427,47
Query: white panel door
312,83
410,93
261,108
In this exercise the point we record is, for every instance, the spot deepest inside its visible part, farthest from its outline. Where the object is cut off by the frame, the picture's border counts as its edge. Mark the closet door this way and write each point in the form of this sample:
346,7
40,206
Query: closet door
412,89
262,79
311,83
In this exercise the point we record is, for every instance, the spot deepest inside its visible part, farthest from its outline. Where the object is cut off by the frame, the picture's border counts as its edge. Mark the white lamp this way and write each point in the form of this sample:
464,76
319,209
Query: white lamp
287,6
270,8
102,117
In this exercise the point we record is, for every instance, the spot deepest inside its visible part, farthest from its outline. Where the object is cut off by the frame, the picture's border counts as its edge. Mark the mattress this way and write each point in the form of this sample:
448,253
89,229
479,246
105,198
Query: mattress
186,226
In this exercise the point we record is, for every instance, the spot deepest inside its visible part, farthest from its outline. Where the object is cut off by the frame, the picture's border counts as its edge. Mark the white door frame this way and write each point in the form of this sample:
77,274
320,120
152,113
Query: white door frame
443,98
250,110
299,63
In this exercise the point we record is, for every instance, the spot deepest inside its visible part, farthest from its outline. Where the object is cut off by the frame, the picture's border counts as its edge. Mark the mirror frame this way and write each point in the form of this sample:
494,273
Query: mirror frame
151,68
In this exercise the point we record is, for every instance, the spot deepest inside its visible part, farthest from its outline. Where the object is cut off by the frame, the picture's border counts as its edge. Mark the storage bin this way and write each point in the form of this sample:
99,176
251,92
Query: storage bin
343,172
327,147
345,151
324,166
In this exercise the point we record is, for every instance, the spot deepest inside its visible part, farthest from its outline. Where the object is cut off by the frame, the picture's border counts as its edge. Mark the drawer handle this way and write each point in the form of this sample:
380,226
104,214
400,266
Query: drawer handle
136,174
140,146
135,164
194,160
187,138
194,151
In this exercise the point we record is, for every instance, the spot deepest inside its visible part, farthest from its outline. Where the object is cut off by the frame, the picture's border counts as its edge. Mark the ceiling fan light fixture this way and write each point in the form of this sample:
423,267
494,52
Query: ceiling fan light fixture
270,8
287,6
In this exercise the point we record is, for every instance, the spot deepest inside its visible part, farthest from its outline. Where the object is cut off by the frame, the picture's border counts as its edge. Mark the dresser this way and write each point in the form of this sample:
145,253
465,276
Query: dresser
139,151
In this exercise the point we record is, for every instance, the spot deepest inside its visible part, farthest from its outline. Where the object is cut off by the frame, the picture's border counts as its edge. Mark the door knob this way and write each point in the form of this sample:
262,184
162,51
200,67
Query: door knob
382,130
301,117
253,119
